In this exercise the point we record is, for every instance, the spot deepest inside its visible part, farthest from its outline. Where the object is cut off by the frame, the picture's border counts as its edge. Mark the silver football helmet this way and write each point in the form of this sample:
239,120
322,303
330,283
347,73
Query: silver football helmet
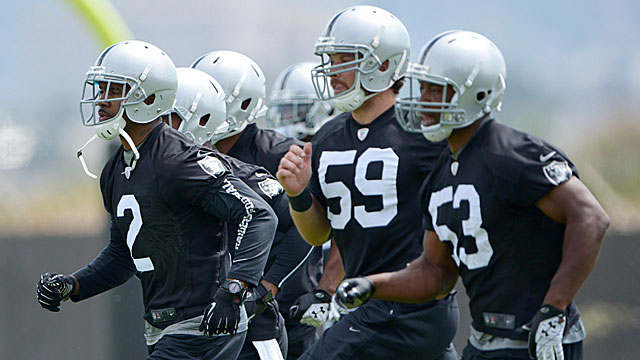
200,104
147,79
243,83
465,61
294,107
374,36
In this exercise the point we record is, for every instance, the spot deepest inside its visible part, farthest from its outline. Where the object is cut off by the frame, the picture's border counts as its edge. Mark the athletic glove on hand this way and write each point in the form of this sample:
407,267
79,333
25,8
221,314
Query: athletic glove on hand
222,315
258,299
545,333
54,288
311,308
354,292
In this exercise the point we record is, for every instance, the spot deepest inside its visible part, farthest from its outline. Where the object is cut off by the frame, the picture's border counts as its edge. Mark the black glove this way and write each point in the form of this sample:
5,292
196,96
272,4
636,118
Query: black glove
54,288
315,301
258,299
223,314
545,333
354,292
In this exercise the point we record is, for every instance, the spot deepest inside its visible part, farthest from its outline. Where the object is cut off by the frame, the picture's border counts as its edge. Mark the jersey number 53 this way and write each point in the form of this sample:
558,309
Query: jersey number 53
470,227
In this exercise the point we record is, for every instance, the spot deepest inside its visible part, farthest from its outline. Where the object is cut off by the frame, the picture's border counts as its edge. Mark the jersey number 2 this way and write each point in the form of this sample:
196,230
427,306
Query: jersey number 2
129,202
385,187
470,227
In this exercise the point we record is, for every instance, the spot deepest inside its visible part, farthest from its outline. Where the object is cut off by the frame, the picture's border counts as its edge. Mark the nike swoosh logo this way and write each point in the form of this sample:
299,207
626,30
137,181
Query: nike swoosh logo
351,328
544,158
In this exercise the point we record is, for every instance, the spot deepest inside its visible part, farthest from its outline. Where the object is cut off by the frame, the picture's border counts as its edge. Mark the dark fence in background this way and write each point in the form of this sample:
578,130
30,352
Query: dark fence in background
110,325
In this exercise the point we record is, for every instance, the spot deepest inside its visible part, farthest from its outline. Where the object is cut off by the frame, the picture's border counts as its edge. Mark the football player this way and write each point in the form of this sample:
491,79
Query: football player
199,113
359,184
169,202
295,110
505,210
244,85
293,106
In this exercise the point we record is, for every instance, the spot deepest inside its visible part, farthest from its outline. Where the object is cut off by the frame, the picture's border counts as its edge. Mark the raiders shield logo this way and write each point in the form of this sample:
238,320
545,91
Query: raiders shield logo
557,172
362,133
212,166
271,187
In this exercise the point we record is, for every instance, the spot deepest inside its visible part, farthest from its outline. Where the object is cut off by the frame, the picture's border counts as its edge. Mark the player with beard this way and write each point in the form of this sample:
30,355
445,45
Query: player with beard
358,182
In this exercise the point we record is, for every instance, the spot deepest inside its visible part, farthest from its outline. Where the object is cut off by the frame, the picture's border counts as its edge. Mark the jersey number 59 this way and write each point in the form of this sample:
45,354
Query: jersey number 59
384,187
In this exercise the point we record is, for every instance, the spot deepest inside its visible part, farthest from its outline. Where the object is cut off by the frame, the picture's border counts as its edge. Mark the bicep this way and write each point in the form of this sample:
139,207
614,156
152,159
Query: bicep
567,200
438,253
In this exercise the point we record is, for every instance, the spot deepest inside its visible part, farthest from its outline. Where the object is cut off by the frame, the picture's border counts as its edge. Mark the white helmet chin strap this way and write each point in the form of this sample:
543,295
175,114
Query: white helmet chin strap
353,99
436,133
116,127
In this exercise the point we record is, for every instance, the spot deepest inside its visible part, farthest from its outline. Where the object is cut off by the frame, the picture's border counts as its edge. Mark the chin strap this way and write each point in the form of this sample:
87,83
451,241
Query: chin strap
127,171
81,158
136,155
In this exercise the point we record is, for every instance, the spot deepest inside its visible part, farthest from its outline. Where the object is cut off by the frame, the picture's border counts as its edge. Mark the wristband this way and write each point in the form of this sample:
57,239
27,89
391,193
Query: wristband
302,202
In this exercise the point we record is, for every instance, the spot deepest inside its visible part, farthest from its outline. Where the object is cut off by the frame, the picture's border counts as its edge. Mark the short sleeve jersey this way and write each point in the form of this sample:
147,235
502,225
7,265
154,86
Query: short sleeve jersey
482,204
368,177
175,245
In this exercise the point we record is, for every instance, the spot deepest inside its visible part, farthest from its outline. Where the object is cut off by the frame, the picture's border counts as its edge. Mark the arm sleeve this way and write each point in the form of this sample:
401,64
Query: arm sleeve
289,248
204,179
236,203
111,268
531,170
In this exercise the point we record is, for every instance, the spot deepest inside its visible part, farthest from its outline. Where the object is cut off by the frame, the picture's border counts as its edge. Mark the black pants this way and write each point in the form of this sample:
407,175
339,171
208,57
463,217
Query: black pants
571,352
190,347
390,330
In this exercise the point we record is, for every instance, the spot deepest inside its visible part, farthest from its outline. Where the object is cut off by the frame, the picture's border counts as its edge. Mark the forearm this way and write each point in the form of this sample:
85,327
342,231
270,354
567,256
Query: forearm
252,247
582,241
312,224
289,252
256,224
418,282
111,268
333,271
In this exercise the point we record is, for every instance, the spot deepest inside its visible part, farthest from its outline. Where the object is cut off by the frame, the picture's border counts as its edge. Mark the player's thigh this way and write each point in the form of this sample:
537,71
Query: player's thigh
300,338
174,347
571,352
387,330
424,331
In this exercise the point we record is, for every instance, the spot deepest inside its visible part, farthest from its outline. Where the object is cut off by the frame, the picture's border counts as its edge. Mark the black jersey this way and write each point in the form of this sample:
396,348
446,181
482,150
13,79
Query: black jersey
368,178
167,227
289,250
265,147
482,203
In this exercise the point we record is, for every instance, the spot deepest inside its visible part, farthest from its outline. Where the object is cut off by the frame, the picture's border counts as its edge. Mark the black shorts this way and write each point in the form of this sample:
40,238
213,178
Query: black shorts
300,338
571,352
391,330
188,347
249,351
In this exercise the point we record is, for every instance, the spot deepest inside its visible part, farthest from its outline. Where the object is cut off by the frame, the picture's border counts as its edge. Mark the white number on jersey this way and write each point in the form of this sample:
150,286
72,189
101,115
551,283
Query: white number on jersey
385,187
470,227
129,202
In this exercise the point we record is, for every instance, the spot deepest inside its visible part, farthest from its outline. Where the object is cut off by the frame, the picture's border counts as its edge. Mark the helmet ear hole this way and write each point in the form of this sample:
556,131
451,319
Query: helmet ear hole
204,119
245,104
481,95
150,99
